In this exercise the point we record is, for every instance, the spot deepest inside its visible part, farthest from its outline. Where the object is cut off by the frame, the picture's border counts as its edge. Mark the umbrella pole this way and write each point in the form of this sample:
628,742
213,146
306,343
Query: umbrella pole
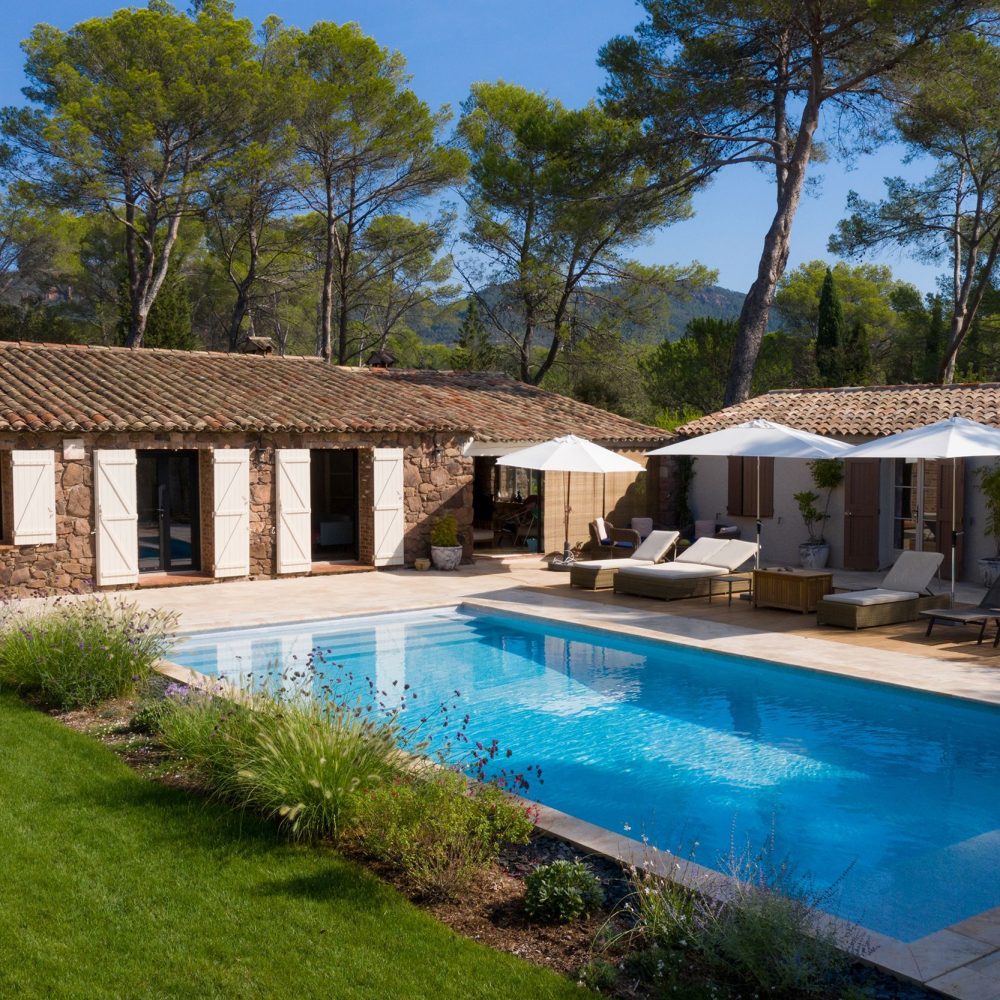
567,555
756,555
954,531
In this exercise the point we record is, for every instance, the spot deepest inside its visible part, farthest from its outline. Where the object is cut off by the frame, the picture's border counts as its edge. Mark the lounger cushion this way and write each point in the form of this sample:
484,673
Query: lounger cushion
655,547
597,564
701,550
878,595
732,555
672,571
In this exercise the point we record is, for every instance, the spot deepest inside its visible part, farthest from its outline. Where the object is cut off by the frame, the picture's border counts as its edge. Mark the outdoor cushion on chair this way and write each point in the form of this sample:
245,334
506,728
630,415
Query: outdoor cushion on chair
701,550
644,525
866,598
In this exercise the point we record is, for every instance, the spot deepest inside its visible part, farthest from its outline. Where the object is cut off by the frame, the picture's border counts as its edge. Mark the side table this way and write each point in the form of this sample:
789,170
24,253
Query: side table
790,589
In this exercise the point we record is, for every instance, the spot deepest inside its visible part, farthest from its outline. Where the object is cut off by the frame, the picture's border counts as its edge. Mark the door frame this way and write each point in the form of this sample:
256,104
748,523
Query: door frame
162,457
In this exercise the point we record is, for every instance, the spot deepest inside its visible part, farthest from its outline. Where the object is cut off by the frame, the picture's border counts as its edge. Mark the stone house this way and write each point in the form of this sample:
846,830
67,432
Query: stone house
121,468
884,506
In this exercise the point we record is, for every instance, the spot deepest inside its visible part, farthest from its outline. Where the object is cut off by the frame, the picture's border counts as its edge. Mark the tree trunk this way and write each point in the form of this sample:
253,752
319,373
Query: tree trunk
757,305
326,303
236,318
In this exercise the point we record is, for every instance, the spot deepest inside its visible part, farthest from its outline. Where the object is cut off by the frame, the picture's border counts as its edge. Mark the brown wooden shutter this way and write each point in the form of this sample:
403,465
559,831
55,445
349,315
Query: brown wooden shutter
749,481
734,504
944,525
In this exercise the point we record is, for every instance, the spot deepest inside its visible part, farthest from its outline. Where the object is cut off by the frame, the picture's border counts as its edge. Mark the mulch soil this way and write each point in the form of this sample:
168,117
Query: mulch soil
491,910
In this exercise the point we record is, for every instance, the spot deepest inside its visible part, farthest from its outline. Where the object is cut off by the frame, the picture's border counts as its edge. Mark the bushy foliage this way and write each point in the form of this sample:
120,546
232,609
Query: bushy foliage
562,891
297,760
439,829
82,652
445,531
762,932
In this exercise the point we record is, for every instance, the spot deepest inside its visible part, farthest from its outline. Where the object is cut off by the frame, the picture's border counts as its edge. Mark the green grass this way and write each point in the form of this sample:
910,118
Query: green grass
114,886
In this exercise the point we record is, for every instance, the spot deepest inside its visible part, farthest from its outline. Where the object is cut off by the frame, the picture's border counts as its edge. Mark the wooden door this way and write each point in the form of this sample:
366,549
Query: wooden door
294,515
231,514
117,516
389,513
944,523
861,513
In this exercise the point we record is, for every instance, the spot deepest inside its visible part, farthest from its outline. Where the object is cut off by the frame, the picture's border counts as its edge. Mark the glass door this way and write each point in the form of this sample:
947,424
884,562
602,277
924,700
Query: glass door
169,511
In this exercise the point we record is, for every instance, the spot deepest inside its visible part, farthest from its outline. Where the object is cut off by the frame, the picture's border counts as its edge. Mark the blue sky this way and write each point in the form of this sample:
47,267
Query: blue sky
548,45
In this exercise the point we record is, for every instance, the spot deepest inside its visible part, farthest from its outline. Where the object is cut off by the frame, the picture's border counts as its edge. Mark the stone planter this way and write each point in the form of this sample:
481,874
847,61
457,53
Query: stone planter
990,570
813,555
446,556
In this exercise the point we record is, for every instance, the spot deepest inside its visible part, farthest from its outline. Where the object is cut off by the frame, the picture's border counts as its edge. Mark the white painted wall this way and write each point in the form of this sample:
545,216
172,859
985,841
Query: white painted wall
784,532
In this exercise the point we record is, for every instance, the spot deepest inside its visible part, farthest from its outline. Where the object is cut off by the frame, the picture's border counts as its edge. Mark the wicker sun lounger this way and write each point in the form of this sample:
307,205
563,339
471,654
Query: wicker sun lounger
690,574
987,609
904,593
599,574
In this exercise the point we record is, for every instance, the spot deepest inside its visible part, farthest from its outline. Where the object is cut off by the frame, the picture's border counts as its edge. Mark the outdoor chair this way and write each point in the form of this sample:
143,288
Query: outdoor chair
644,525
690,574
988,607
615,543
904,593
599,574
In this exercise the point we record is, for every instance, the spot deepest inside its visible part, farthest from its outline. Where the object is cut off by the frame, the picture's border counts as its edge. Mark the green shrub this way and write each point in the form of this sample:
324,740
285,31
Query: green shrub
82,652
598,975
445,531
562,891
297,760
439,830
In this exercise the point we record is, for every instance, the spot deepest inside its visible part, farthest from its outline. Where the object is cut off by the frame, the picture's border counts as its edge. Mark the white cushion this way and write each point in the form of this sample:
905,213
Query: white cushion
656,546
732,555
701,550
672,570
615,563
602,531
864,598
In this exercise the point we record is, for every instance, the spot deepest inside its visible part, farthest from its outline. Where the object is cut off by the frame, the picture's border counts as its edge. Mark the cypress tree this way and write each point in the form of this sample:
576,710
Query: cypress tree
935,340
857,359
830,334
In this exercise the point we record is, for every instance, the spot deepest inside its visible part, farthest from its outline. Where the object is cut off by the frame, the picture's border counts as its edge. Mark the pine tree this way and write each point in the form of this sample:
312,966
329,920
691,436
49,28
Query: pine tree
830,334
169,324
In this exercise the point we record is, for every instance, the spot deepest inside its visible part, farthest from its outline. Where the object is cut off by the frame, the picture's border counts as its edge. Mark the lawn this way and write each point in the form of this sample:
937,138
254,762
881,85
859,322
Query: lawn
115,886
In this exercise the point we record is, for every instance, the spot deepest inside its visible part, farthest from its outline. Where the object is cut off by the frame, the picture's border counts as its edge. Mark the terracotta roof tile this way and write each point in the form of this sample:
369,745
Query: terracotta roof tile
83,388
868,411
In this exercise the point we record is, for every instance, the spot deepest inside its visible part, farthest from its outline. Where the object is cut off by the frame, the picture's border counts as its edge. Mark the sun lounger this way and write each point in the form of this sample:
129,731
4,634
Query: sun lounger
988,607
599,574
690,574
904,593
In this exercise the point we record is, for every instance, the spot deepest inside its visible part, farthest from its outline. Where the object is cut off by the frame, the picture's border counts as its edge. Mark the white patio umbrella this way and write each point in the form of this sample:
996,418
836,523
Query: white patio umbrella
952,439
758,439
570,454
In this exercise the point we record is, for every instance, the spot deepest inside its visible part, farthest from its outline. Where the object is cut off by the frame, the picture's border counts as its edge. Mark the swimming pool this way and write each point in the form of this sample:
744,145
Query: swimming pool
688,747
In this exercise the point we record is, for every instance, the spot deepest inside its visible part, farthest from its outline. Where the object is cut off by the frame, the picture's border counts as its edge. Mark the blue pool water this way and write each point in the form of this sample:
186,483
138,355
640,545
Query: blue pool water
898,789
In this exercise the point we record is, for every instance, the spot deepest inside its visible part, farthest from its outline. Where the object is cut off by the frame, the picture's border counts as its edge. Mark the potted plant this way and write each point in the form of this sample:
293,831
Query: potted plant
827,475
446,549
989,486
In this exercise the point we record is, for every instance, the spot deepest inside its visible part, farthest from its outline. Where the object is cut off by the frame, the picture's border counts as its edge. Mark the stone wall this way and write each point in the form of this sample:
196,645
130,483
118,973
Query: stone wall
436,478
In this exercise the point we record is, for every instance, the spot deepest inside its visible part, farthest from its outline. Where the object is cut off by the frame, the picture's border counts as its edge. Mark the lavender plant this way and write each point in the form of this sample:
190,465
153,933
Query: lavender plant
80,652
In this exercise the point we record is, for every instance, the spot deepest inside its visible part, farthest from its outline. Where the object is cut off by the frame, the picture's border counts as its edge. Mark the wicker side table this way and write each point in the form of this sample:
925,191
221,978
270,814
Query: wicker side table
790,589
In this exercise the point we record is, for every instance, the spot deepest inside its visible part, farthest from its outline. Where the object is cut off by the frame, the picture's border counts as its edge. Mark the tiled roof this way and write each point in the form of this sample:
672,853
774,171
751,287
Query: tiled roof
74,388
869,411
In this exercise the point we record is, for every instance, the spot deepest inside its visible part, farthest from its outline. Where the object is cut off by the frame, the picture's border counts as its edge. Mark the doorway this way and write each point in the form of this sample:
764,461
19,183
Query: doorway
333,486
169,512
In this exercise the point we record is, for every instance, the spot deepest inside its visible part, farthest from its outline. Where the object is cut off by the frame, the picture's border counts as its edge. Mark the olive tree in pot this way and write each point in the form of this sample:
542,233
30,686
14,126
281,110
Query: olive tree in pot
446,549
989,486
827,475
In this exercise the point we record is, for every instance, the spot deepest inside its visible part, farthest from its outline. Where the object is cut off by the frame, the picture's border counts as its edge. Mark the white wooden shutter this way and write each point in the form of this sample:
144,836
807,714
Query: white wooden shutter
389,521
33,485
231,486
117,518
294,510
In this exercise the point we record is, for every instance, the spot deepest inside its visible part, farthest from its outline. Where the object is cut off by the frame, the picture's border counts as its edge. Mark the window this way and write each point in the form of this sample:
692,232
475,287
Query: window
919,521
742,500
